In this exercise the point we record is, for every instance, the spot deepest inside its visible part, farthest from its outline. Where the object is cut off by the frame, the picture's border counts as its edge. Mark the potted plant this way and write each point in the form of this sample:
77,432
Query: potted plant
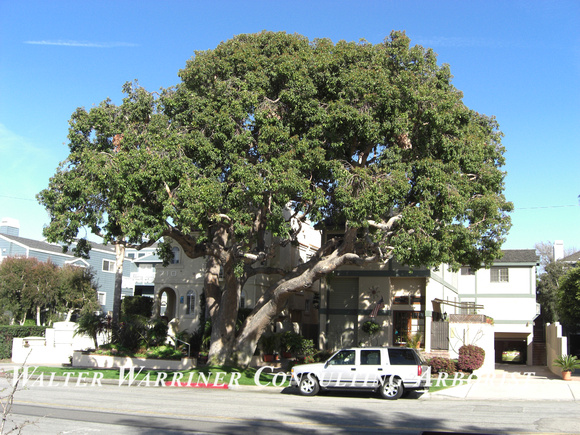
290,344
269,344
568,363
371,327
414,340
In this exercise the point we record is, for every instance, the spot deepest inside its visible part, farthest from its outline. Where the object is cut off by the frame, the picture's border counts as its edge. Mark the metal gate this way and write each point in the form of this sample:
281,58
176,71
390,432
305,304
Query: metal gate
440,335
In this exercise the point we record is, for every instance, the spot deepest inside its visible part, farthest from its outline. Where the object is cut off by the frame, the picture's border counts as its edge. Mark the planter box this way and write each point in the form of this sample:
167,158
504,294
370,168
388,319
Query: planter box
83,359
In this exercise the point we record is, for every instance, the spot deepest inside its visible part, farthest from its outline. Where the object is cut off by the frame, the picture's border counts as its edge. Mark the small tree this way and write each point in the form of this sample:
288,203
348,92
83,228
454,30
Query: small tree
77,291
92,324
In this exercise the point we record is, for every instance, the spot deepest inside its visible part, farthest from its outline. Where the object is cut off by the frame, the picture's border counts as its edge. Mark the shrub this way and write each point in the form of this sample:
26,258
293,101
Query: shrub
157,332
291,342
442,365
131,332
137,305
308,350
471,357
164,352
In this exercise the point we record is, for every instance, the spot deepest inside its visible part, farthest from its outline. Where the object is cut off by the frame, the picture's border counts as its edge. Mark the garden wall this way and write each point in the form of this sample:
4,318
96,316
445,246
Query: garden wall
556,345
55,348
85,359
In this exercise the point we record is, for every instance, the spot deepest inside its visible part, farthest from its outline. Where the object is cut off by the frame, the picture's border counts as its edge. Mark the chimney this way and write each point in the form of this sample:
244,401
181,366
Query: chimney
558,250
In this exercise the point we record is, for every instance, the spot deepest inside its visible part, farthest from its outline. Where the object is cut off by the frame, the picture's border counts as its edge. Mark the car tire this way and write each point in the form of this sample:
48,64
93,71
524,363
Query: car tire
391,388
308,385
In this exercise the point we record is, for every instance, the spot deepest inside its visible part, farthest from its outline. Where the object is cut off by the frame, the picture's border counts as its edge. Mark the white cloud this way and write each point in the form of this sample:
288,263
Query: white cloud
85,44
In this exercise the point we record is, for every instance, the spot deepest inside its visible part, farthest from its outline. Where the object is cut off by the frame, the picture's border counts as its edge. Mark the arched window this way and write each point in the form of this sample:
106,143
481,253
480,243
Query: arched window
190,303
175,255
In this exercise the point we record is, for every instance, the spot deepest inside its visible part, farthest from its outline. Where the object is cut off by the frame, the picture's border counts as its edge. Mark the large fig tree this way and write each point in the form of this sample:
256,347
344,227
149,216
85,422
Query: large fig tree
372,140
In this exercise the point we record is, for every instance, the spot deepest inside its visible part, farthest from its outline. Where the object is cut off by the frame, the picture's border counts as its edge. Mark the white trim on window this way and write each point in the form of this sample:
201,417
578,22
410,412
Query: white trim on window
190,300
499,274
102,298
109,266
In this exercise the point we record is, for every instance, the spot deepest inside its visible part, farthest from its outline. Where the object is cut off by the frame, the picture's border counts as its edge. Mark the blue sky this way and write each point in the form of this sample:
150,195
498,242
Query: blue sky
516,60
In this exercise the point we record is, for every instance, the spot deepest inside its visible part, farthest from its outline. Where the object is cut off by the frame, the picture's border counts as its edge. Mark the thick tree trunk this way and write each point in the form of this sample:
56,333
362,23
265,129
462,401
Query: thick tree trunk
119,258
224,316
274,300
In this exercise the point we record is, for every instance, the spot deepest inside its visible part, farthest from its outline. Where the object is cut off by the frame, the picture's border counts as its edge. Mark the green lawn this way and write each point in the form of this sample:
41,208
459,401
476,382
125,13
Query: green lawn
206,374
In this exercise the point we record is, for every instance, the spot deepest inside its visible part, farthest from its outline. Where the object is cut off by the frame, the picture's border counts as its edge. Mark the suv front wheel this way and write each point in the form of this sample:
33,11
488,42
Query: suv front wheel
391,388
309,385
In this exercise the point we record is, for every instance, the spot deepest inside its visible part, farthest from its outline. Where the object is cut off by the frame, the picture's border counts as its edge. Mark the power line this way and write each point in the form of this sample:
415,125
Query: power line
16,197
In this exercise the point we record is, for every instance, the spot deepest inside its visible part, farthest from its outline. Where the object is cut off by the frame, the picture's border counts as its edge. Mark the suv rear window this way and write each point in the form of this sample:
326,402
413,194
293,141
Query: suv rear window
370,357
402,357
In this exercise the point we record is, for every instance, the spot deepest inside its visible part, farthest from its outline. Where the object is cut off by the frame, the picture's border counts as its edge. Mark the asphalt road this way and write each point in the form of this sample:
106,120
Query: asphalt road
110,410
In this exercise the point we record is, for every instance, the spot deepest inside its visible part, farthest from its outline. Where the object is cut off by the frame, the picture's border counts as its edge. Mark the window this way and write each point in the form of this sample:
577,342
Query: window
109,266
243,299
370,357
102,298
499,274
131,256
190,303
402,357
175,255
344,357
408,299
467,271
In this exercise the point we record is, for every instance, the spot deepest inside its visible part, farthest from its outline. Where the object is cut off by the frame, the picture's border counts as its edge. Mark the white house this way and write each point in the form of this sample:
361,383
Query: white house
446,308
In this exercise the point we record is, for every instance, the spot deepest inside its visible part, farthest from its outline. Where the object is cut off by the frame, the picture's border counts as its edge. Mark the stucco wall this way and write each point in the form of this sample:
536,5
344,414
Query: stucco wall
556,345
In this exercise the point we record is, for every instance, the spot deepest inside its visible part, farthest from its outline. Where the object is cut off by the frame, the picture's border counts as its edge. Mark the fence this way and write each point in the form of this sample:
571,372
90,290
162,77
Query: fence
440,335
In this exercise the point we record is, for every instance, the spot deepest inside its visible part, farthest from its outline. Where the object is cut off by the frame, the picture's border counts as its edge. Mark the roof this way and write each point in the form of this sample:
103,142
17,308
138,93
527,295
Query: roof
52,247
573,258
518,256
36,245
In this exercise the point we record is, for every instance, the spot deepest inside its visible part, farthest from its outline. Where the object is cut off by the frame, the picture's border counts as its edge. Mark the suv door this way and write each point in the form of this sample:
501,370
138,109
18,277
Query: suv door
340,369
370,368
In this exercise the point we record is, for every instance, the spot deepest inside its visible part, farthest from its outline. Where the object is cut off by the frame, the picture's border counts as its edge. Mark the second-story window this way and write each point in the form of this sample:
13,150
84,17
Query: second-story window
499,274
109,266
175,255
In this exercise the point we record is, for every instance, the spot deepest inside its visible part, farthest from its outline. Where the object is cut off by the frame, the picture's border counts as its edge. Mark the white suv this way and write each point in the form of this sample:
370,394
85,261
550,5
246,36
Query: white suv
390,370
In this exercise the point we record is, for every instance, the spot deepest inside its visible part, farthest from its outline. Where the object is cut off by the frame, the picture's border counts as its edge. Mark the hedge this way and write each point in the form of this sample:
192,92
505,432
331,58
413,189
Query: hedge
7,333
442,365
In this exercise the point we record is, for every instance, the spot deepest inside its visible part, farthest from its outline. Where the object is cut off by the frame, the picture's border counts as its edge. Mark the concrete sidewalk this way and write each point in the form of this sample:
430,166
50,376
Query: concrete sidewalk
514,382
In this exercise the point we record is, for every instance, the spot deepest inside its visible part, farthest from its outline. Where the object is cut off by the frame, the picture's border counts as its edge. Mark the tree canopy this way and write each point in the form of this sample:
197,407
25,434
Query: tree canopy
29,287
371,140
568,302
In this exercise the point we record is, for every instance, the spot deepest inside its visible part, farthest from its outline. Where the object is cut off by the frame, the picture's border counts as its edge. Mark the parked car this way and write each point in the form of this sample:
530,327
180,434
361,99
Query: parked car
389,370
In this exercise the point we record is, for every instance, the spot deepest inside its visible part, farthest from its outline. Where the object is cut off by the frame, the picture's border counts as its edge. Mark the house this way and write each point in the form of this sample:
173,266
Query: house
406,302
179,287
142,268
